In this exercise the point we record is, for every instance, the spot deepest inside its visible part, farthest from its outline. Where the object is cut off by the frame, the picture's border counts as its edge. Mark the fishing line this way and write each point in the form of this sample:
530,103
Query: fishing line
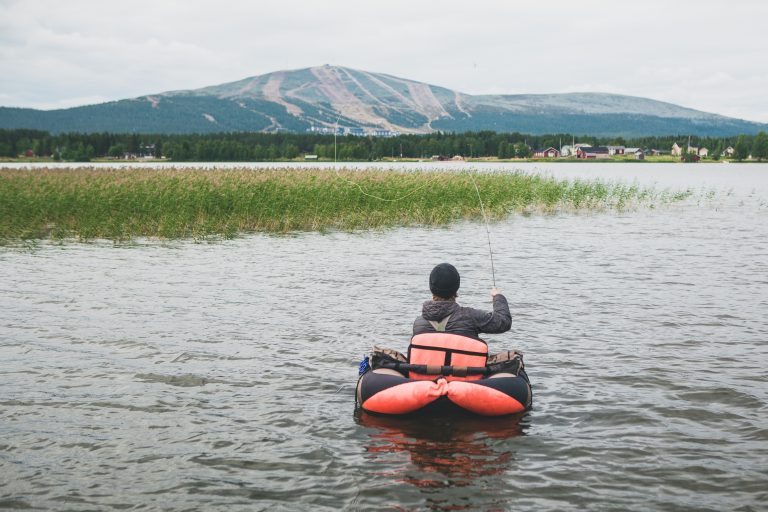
477,190
360,188
362,191
487,229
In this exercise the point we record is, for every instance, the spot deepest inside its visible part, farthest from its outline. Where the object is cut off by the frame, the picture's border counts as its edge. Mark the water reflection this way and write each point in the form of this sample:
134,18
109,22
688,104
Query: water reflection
440,456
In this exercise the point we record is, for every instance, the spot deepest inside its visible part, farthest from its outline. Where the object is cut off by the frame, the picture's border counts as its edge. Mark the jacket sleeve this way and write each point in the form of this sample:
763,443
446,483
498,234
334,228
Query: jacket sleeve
498,321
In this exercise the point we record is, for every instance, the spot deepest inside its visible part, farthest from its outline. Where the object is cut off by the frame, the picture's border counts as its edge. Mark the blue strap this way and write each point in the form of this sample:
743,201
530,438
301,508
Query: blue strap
364,366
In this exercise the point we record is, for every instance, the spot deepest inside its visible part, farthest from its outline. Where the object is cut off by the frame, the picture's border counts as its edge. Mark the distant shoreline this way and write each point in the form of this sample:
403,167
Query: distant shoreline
560,160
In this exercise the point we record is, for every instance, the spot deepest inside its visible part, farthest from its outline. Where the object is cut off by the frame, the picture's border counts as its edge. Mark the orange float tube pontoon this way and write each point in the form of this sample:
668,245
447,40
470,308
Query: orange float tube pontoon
444,373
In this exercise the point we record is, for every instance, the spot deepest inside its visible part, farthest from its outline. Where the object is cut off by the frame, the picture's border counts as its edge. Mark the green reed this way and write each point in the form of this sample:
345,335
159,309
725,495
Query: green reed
120,204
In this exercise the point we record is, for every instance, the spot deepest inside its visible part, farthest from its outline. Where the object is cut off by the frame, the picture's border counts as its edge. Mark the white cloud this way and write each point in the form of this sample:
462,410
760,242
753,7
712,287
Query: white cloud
708,57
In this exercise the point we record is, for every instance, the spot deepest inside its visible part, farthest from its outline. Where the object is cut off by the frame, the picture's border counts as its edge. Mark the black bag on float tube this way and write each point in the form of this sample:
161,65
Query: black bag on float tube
509,361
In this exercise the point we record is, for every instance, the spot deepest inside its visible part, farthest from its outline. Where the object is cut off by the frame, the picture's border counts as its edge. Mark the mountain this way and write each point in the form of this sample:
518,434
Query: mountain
325,97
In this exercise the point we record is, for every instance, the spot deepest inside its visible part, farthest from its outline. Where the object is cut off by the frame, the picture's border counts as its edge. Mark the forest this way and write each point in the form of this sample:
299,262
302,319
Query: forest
249,146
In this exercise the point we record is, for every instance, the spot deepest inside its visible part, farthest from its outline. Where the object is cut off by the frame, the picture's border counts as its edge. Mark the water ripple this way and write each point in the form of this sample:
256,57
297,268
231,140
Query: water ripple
195,376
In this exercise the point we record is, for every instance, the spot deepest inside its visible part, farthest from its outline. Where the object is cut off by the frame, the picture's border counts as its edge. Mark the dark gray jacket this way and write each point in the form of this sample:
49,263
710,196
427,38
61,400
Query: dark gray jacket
465,321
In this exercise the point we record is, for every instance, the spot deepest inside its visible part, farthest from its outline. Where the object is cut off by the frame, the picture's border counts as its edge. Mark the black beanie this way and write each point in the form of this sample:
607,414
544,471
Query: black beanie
444,281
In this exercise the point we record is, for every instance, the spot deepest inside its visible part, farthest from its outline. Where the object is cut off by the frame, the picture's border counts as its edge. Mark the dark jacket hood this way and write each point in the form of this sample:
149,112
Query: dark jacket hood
438,309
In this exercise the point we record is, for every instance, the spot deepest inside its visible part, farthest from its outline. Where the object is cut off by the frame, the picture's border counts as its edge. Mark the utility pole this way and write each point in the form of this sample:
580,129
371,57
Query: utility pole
335,132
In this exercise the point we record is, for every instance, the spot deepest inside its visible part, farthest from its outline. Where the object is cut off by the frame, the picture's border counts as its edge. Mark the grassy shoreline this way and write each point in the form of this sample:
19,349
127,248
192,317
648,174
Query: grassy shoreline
120,204
614,159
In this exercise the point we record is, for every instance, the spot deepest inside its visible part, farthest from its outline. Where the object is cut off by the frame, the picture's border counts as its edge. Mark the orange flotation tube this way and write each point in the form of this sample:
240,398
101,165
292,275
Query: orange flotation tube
444,373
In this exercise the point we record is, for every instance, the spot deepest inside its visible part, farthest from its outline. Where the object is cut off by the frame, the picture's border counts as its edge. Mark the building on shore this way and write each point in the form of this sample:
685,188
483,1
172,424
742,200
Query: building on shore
593,152
546,153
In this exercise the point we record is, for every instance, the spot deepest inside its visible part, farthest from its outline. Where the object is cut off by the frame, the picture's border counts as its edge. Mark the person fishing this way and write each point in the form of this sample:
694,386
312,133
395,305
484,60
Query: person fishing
444,314
448,366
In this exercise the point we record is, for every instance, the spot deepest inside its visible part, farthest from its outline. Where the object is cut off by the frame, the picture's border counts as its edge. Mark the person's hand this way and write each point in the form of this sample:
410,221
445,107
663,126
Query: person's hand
495,291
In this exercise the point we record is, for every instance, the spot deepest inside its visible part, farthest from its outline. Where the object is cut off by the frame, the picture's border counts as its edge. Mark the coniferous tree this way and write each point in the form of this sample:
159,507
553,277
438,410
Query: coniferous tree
741,149
760,146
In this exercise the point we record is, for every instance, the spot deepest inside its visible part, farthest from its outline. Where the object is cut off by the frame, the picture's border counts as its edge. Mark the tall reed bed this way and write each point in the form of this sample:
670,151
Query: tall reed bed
124,203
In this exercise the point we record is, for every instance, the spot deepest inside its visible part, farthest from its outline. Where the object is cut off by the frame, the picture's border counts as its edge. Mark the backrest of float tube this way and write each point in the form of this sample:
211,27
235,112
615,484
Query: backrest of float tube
446,349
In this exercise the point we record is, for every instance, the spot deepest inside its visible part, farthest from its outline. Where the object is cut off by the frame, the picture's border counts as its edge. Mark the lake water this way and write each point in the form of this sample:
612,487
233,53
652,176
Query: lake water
220,376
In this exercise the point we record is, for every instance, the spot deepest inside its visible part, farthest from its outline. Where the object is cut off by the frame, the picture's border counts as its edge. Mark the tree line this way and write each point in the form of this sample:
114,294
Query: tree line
245,146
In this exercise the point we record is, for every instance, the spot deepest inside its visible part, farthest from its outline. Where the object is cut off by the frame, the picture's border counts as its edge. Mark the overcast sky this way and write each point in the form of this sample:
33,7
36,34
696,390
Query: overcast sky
710,56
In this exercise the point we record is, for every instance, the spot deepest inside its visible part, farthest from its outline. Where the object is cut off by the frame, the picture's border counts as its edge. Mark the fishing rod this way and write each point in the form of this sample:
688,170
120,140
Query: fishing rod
513,365
428,369
487,229
482,209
